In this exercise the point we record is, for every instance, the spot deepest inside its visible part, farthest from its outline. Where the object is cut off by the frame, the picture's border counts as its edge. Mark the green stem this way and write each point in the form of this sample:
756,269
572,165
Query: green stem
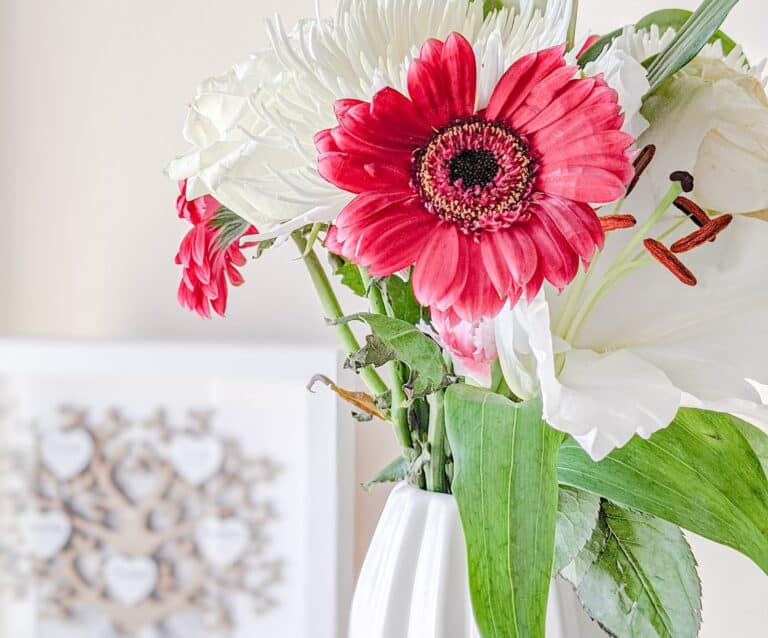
572,25
437,481
674,192
333,311
621,267
398,411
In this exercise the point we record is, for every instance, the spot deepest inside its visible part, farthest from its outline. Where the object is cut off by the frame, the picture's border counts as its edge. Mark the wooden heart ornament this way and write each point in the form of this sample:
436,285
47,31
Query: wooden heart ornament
130,580
44,534
222,541
196,458
66,453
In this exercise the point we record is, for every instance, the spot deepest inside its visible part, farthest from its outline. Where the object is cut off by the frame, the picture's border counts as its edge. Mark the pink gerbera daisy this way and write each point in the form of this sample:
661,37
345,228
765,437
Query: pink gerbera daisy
209,263
485,203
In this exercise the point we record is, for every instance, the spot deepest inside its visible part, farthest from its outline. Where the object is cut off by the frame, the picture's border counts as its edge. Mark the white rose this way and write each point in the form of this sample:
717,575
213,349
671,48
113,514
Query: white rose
711,119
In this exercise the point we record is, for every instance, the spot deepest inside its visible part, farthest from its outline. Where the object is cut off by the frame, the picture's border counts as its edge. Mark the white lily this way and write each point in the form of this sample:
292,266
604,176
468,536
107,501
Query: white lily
612,366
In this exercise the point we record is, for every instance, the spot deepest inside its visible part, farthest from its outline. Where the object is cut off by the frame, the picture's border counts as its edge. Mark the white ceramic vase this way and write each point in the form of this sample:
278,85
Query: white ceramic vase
414,582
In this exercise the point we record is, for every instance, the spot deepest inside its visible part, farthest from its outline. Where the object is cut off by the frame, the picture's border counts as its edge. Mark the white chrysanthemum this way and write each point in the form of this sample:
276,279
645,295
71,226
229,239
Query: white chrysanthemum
252,130
621,65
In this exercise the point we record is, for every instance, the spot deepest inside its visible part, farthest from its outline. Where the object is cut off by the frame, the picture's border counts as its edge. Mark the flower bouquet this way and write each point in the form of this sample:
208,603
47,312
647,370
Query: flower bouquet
558,239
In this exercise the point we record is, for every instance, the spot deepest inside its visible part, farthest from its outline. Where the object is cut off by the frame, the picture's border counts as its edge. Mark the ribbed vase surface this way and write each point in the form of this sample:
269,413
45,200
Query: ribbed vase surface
413,583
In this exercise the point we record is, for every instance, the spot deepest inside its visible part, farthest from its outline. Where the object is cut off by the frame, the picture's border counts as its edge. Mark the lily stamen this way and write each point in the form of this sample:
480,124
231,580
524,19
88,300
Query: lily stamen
685,179
642,161
695,212
706,233
669,260
617,222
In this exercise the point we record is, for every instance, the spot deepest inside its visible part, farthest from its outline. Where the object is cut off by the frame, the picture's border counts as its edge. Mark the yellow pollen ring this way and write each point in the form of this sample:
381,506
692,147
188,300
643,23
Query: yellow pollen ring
510,186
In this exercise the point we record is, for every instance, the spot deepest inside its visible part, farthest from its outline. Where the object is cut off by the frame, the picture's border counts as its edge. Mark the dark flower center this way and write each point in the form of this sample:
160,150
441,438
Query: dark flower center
476,174
474,167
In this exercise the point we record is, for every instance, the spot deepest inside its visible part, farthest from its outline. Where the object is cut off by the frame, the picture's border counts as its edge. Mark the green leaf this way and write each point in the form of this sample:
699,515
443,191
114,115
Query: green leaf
396,471
663,19
577,514
699,473
263,246
230,226
403,302
637,577
349,273
489,6
505,484
757,439
676,19
690,39
395,339
376,352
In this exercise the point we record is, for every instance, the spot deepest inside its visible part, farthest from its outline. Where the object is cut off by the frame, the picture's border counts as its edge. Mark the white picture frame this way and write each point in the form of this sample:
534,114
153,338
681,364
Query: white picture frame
326,448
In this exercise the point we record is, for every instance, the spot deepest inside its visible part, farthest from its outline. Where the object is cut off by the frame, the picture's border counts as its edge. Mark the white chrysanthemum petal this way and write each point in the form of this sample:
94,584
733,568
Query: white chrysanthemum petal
286,95
621,65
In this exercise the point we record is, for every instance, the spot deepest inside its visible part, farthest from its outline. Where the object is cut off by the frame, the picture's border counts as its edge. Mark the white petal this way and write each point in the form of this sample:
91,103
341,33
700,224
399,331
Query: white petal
616,395
601,400
626,75
515,355
708,339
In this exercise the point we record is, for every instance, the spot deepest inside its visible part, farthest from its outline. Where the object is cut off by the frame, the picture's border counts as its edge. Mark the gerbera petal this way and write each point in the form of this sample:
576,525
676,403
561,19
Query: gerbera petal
343,141
558,262
520,79
546,100
611,142
478,299
565,102
463,266
357,174
495,263
576,124
519,253
402,249
460,71
207,264
364,209
427,86
401,231
390,121
619,165
436,265
577,222
582,183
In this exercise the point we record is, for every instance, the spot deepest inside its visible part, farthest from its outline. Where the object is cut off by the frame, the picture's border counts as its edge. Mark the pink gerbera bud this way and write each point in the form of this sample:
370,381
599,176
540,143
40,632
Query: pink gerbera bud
472,345
485,203
209,261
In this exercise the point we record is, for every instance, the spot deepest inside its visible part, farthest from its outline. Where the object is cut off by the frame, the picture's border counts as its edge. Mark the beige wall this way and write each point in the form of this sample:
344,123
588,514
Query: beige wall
93,99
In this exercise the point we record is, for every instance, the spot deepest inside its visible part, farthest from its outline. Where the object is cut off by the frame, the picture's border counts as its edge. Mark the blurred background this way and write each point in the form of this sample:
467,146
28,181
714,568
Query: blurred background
93,101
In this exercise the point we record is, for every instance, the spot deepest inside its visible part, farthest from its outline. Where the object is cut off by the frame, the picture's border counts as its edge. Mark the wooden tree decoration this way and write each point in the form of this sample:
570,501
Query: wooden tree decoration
141,521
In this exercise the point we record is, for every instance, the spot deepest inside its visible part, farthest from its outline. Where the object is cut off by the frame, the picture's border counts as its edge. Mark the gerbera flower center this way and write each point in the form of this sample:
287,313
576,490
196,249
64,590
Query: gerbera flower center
475,174
474,167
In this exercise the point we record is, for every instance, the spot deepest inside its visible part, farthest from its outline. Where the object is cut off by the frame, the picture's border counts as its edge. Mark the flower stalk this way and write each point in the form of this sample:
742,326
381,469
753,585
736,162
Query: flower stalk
333,311
623,265
437,479
398,411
